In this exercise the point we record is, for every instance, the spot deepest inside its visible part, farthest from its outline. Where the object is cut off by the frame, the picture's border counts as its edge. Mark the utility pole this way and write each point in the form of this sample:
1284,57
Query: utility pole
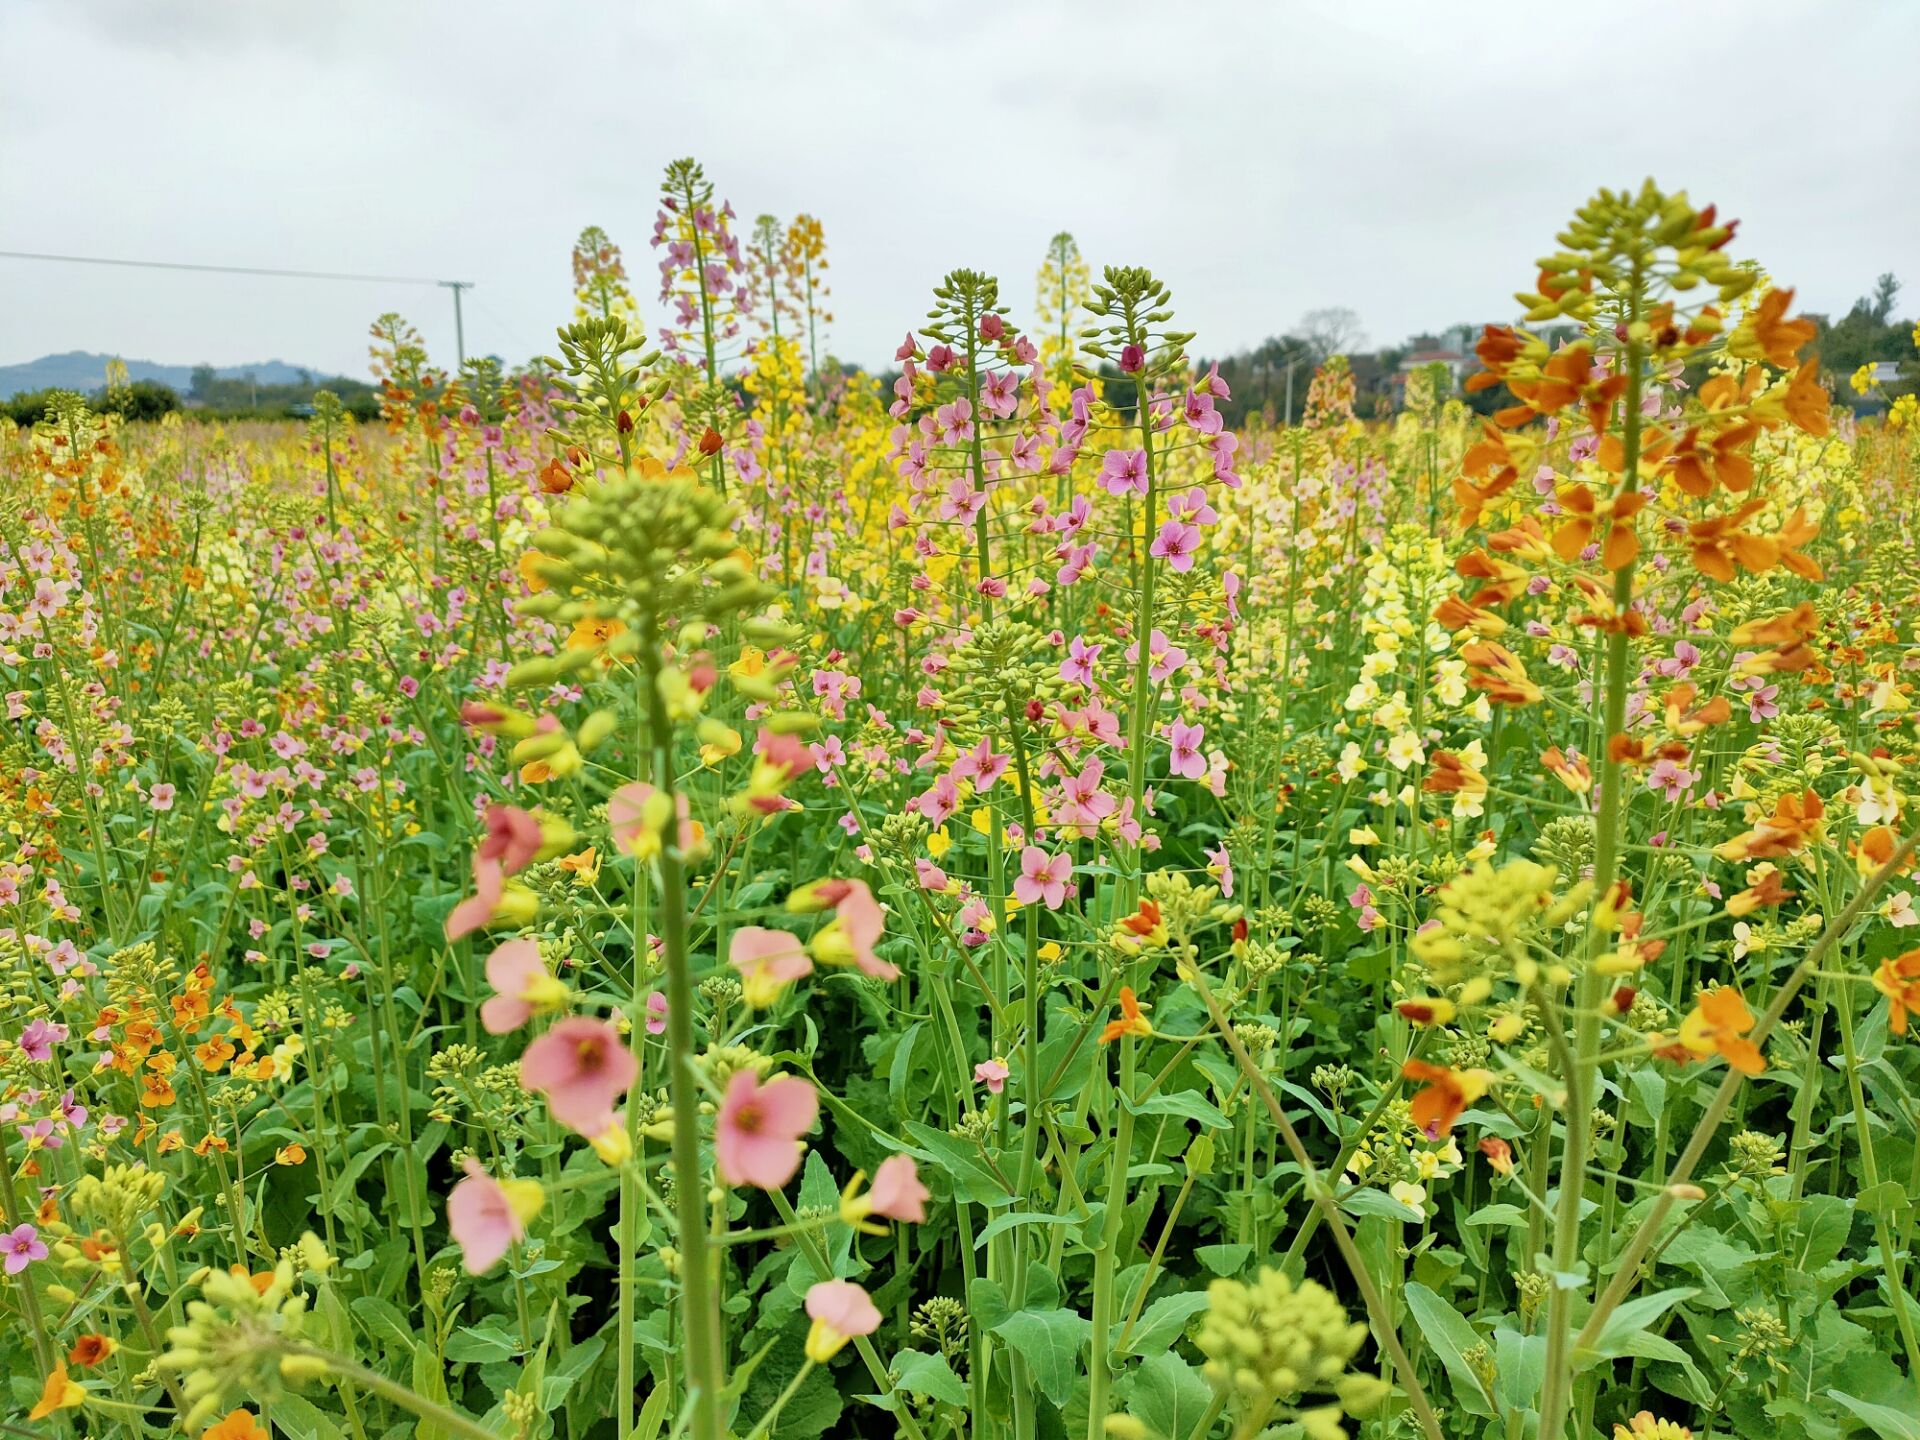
459,327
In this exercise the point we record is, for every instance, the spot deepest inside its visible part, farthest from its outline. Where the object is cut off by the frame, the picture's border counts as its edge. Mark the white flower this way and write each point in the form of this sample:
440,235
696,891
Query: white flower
1410,1195
1405,750
1879,802
1900,912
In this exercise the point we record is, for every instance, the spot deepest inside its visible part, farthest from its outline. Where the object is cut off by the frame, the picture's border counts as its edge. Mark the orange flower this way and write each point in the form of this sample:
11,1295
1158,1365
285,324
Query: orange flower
1584,515
213,1054
1719,544
1498,671
59,1393
1575,774
155,1091
1796,821
1427,1010
1786,634
1131,1021
1806,400
1451,774
1505,580
592,632
1876,848
1718,1025
90,1350
1686,718
1145,922
1499,1154
1768,889
239,1425
1796,532
1898,978
1766,334
1458,614
1447,1094
294,1154
529,568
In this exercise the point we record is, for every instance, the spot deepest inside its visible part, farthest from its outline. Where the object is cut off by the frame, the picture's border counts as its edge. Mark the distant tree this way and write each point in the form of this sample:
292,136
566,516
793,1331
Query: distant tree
201,382
1334,330
140,400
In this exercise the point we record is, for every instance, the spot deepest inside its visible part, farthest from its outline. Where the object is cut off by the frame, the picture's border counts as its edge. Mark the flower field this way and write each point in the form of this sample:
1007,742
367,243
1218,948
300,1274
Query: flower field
689,891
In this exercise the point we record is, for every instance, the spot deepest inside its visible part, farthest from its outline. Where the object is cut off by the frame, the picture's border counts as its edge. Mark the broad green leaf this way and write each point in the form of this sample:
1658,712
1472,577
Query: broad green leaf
1449,1335
1885,1421
1185,1105
1050,1341
1223,1259
1167,1394
919,1373
1161,1322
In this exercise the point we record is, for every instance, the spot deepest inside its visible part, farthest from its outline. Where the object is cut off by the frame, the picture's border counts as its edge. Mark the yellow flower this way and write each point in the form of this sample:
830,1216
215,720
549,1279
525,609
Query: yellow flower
59,1393
1644,1427
938,843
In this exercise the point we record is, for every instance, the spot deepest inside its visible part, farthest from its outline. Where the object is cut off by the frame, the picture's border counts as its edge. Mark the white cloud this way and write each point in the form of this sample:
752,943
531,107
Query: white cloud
1404,159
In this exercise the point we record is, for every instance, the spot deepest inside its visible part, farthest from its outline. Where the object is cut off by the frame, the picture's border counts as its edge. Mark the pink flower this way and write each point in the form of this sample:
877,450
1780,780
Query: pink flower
992,1074
839,1310
656,1014
1081,658
39,1038
161,796
930,875
1043,877
516,971
938,802
22,1246
1186,760
897,1192
858,923
1176,544
1132,359
513,838
582,1067
756,1137
493,902
768,962
1124,472
487,1217
981,765
1220,865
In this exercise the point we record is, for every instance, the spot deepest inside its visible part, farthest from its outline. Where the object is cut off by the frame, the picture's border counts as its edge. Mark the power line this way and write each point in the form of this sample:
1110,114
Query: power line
456,286
229,269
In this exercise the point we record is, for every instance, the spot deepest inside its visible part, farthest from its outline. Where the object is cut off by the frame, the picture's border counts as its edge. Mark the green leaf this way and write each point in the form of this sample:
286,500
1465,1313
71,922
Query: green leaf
922,1374
1889,1195
1447,1331
481,1345
1018,1217
1628,1330
1184,1104
1522,1362
384,1322
1168,1394
901,1070
1365,1200
958,1163
1223,1259
1883,1420
1498,1214
1161,1322
1050,1341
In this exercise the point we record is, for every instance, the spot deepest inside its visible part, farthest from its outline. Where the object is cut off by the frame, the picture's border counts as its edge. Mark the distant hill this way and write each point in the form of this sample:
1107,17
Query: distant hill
86,371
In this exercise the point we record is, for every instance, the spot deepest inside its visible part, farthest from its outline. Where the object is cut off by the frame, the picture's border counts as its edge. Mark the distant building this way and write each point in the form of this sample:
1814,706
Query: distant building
1458,366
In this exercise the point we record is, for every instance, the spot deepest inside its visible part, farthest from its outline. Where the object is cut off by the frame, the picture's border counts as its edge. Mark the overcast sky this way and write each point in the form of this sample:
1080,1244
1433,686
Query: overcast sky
1408,160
